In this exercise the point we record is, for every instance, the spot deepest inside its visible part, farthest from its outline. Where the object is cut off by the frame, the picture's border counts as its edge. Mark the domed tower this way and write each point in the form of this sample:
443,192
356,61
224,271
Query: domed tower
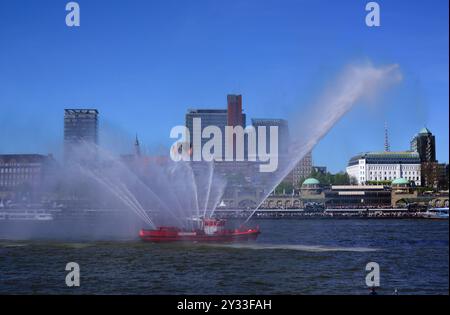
400,183
311,186
402,192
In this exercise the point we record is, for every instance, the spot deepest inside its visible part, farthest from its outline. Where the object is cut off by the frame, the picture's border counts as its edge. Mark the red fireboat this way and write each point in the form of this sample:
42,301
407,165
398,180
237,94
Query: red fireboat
210,230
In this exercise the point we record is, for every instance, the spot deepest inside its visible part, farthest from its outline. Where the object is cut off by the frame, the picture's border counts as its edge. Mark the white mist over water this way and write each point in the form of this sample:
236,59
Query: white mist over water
355,84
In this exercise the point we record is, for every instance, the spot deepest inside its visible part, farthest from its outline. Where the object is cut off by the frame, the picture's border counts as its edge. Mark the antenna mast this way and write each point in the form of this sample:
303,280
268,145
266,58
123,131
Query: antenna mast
387,148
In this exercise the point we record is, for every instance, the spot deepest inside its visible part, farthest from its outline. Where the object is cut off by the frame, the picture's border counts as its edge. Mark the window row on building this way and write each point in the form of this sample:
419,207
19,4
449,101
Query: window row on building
6,170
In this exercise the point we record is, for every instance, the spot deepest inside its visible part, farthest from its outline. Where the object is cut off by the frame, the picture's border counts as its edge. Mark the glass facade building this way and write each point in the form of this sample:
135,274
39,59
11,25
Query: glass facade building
209,117
80,125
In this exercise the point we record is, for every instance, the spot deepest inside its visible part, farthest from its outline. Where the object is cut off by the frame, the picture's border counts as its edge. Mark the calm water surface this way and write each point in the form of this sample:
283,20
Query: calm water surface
309,256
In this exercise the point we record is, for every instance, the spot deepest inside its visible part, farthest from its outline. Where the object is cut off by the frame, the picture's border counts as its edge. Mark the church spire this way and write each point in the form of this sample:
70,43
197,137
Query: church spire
137,147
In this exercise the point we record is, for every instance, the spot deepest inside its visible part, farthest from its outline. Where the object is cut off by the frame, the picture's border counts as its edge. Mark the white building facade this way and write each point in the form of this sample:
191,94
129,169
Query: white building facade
385,166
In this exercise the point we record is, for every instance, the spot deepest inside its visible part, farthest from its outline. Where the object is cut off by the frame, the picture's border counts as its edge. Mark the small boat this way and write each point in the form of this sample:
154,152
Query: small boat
211,230
436,214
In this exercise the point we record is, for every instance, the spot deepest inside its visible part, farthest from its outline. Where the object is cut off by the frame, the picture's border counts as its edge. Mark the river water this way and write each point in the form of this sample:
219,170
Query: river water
291,256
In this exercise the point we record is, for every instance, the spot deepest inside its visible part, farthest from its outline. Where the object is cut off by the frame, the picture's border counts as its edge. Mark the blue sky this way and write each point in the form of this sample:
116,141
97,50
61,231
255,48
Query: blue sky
143,63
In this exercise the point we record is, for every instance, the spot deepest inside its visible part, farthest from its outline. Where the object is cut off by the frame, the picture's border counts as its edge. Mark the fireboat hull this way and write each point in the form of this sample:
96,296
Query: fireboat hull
175,235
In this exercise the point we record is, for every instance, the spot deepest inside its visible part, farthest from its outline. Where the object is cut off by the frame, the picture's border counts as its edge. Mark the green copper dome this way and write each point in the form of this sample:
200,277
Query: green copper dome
311,181
400,181
424,131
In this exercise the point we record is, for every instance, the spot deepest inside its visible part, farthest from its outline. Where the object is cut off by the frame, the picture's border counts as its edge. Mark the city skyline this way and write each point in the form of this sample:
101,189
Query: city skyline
145,77
188,125
220,154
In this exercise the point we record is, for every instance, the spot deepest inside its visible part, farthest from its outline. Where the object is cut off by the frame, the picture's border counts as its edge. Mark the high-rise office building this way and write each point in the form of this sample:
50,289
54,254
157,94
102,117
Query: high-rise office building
302,170
283,133
80,126
235,117
232,116
209,117
424,144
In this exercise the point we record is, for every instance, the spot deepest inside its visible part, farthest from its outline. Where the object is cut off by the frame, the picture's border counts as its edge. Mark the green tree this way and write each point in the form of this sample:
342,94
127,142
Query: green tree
284,187
328,178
